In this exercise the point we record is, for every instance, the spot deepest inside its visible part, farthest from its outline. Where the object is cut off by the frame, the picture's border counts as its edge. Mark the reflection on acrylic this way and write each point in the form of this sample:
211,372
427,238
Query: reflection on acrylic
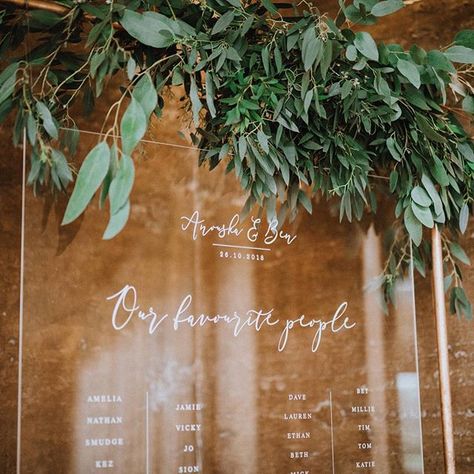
202,341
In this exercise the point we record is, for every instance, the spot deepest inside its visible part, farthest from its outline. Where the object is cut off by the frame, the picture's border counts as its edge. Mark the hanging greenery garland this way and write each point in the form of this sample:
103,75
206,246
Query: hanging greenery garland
295,107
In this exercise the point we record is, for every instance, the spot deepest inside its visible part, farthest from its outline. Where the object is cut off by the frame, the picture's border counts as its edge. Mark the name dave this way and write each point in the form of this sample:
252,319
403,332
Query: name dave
127,309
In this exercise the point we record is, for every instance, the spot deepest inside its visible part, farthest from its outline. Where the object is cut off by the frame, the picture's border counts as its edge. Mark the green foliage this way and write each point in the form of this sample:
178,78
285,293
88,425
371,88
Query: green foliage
90,177
294,107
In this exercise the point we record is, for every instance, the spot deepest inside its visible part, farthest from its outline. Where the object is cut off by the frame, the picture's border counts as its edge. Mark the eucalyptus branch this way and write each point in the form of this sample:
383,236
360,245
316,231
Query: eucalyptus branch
296,108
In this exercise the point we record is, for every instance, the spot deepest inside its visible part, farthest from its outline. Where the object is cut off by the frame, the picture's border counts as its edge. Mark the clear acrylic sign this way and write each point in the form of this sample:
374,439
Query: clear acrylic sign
201,341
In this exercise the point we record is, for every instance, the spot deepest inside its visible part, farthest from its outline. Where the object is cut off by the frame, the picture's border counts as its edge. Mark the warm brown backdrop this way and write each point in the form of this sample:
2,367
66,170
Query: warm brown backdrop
429,23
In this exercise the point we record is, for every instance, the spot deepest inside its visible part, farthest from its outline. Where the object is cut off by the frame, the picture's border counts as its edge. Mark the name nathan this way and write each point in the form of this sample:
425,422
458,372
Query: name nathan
127,309
104,420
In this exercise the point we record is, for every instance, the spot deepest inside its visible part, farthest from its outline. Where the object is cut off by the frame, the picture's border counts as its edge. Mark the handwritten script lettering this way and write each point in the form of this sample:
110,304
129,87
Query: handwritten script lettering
127,309
234,228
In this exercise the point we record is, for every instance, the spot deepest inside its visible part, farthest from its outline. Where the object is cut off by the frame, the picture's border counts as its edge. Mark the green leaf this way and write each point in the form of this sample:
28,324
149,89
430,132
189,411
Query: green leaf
326,58
290,153
468,104
447,282
421,197
439,61
278,58
195,101
242,147
410,71
8,72
92,173
268,4
95,33
463,218
117,222
428,130
365,4
145,93
423,214
133,126
459,304
31,128
47,119
305,201
61,167
413,226
310,47
152,29
459,253
131,68
71,139
386,7
307,100
44,19
210,94
393,180
113,164
96,61
351,53
460,54
433,193
223,22
233,116
235,3
392,148
263,141
232,54
366,45
121,185
466,150
357,16
8,81
416,98
465,38
346,89
266,60
439,172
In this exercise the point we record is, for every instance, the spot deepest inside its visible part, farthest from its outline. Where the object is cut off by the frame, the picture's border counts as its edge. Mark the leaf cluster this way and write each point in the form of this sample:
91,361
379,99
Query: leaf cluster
294,107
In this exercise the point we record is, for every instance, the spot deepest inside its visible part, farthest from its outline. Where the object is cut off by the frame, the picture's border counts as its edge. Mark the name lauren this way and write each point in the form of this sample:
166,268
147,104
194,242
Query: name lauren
127,308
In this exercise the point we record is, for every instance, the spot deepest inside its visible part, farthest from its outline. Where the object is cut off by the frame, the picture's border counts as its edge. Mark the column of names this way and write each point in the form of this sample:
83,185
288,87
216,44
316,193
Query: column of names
104,421
189,428
298,427
363,411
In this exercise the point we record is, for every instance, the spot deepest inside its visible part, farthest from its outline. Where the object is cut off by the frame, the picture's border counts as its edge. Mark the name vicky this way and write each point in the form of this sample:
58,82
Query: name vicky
127,309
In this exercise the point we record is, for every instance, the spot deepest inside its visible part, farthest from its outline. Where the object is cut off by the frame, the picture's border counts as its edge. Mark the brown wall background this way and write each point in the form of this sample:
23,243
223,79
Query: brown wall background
429,23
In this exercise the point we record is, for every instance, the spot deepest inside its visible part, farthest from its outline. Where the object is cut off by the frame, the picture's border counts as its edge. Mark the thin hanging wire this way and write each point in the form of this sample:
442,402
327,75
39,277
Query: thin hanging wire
175,145
22,267
152,142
